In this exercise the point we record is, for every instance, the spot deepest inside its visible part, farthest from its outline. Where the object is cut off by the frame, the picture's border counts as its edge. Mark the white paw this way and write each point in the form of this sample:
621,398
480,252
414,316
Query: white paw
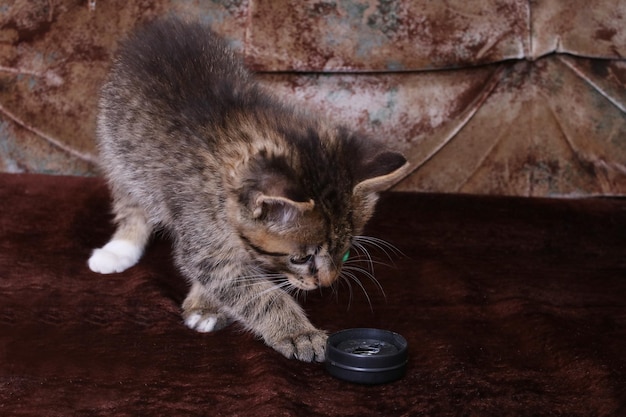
116,256
201,323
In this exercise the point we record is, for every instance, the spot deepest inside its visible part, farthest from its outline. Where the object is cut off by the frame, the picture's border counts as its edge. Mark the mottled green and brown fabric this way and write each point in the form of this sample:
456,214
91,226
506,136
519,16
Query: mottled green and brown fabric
510,97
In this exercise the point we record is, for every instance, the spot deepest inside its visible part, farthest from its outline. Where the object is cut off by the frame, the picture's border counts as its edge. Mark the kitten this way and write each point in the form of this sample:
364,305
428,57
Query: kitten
261,199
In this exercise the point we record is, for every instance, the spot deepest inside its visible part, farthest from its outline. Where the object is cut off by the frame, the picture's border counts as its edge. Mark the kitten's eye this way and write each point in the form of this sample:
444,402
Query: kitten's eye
296,260
346,256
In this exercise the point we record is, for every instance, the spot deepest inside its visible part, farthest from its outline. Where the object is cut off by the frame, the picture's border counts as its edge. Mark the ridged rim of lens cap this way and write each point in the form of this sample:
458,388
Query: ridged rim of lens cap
366,355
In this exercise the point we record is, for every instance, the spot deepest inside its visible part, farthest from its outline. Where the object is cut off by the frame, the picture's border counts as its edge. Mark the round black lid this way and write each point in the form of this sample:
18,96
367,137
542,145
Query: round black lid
366,356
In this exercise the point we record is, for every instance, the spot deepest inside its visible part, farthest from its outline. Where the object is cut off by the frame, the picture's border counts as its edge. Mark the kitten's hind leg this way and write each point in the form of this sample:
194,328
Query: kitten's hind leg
200,313
127,244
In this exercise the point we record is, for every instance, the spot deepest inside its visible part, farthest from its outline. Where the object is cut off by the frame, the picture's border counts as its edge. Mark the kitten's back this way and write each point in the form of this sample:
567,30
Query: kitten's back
182,67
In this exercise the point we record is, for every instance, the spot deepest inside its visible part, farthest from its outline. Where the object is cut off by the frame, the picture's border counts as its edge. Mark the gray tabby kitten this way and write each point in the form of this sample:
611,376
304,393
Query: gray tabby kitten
260,198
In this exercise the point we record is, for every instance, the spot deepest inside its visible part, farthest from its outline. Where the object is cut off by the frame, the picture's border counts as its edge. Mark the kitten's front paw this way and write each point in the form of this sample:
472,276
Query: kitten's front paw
116,256
205,322
307,347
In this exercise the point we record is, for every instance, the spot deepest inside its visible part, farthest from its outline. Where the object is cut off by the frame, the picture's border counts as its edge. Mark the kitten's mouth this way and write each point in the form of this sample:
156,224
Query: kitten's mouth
303,283
308,283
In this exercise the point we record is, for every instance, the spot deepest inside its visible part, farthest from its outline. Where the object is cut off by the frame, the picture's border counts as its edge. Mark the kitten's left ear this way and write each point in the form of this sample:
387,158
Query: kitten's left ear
380,172
279,209
272,195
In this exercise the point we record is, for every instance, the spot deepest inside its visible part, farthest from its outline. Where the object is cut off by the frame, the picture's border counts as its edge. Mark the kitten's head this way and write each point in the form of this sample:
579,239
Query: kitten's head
301,209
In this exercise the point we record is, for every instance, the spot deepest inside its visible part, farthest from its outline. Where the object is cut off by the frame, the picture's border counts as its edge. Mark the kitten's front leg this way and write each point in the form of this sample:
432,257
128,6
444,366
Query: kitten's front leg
286,329
307,346
222,291
276,317
201,313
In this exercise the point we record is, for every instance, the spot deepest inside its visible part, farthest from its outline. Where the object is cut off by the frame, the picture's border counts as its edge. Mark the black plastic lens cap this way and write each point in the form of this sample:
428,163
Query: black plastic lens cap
366,356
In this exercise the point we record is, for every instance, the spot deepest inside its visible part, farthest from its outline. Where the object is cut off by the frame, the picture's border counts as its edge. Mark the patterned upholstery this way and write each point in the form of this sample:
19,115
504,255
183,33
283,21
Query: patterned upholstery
491,97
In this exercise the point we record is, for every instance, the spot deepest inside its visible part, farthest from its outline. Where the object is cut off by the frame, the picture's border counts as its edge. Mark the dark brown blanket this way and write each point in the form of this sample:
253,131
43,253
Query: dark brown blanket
511,307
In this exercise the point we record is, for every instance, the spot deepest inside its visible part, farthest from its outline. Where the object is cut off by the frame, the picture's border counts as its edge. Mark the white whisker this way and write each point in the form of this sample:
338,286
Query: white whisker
257,277
246,281
365,253
350,292
275,295
362,262
381,242
284,286
365,256
353,277
370,265
387,248
368,275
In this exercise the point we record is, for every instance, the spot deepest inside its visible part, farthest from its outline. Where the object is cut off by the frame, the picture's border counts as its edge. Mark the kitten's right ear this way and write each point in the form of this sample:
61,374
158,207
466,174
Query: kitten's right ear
380,171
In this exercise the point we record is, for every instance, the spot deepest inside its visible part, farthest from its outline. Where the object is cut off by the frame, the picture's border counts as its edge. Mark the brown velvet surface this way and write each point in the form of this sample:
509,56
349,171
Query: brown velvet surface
511,307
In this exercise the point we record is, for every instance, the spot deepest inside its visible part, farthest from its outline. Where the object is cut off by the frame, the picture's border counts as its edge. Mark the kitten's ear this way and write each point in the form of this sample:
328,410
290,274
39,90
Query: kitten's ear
279,209
380,172
272,195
